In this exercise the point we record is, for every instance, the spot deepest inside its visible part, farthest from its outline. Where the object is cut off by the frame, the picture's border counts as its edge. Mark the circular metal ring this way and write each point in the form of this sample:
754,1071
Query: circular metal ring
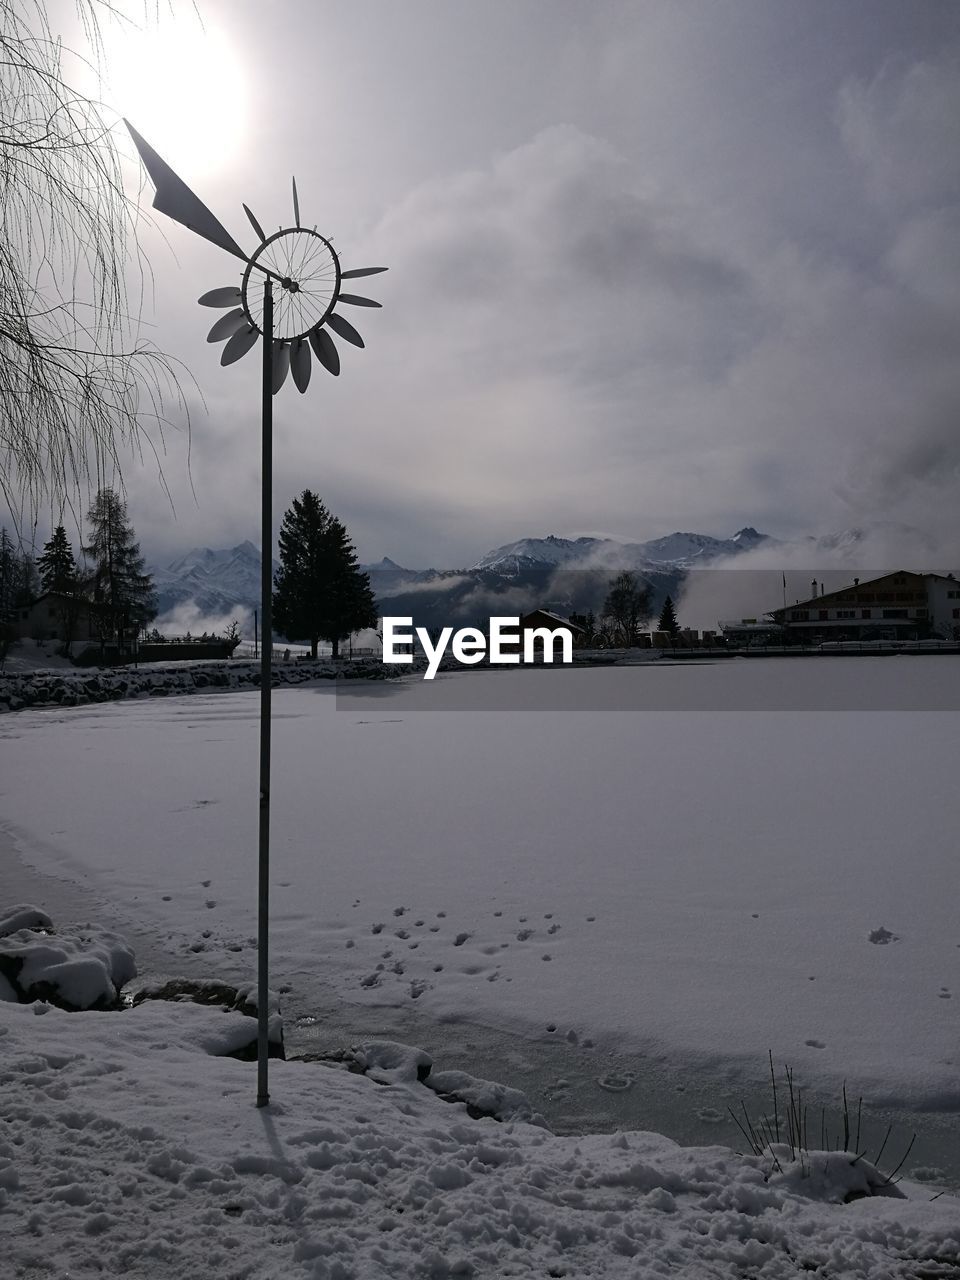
305,271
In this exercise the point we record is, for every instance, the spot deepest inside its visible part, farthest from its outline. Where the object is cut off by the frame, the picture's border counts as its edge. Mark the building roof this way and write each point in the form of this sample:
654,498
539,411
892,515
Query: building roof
553,617
842,593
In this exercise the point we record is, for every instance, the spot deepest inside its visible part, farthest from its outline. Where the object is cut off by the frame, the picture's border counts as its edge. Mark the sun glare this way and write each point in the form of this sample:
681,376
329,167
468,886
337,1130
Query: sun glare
183,86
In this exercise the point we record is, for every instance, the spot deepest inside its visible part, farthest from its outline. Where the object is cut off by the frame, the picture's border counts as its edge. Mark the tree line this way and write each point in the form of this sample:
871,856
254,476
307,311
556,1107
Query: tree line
112,585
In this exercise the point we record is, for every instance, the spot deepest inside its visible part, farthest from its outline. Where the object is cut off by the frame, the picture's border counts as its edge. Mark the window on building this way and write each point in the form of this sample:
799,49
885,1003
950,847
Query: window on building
864,613
956,613
824,615
894,613
799,615
846,613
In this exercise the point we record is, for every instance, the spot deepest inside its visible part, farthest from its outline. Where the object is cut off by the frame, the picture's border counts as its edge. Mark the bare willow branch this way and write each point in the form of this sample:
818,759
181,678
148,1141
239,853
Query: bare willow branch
80,388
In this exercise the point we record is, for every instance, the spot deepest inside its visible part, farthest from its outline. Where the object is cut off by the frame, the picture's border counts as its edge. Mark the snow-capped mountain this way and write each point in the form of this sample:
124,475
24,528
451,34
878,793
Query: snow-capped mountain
675,550
215,581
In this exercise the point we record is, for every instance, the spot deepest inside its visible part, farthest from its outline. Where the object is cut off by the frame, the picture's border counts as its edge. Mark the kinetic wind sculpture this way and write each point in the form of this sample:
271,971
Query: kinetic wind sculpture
305,268
299,259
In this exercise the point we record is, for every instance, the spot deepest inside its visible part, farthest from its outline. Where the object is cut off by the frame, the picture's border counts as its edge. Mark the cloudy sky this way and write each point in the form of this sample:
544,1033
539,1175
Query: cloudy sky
654,265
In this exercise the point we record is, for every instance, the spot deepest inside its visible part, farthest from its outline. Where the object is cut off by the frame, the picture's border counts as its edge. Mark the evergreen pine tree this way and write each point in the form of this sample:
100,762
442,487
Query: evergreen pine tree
122,590
319,592
58,569
668,619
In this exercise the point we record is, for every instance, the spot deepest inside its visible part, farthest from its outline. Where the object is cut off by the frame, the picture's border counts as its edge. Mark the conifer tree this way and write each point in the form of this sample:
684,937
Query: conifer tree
668,619
319,592
58,569
121,588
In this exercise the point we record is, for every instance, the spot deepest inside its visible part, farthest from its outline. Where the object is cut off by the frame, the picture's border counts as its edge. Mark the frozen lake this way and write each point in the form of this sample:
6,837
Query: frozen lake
584,893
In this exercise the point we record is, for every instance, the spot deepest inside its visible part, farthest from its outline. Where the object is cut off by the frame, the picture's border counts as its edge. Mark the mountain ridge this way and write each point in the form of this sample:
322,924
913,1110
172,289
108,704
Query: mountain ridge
219,582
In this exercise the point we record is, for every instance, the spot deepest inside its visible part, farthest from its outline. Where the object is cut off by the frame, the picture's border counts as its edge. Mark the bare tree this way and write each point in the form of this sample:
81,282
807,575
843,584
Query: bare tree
78,386
627,604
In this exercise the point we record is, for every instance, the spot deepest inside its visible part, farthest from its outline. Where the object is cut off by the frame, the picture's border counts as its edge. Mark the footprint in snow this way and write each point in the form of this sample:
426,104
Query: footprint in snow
815,1044
709,1115
616,1081
882,936
460,939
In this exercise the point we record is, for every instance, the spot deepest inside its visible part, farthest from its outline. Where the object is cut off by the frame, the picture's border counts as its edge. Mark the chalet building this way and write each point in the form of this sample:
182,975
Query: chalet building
897,606
53,615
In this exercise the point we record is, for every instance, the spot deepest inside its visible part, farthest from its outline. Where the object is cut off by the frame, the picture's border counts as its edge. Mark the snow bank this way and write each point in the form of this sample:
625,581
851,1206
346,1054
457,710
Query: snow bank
127,1150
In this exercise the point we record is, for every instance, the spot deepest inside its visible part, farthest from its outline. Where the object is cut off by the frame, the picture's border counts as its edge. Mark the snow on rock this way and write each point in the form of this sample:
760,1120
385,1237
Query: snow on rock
483,1097
76,687
24,917
829,1175
126,1150
390,1062
79,969
236,1037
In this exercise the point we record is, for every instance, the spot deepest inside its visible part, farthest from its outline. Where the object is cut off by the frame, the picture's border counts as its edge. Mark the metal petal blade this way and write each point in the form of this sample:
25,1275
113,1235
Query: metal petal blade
343,329
227,297
300,365
327,353
253,222
228,325
239,345
356,301
361,271
296,204
174,198
281,364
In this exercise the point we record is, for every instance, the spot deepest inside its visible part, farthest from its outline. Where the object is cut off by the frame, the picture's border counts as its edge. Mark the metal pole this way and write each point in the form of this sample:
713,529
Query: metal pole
266,653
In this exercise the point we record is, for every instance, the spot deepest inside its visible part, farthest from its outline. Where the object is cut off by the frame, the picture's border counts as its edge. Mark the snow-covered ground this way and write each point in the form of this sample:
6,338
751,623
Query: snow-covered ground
127,1149
691,888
